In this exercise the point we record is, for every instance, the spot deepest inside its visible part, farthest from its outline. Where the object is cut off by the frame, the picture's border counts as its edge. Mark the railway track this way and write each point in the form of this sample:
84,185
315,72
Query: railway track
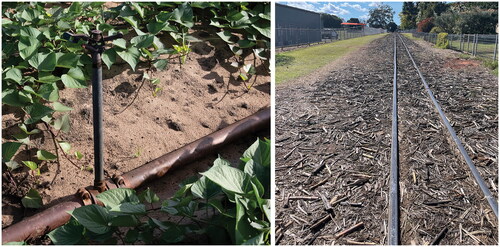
333,141
394,231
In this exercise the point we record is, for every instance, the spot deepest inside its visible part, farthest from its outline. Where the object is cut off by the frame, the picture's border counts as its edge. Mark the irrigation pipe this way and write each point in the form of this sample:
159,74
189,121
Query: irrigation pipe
486,191
57,215
394,175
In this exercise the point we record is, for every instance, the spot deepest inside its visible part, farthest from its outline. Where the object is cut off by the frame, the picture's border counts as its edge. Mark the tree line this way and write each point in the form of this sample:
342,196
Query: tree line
456,17
379,17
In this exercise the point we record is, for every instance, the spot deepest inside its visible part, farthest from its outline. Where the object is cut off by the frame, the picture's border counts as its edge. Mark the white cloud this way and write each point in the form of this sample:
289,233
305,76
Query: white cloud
330,8
354,6
365,17
303,5
374,4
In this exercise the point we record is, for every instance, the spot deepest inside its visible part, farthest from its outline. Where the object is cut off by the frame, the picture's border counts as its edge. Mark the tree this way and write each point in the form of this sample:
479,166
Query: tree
391,27
430,9
425,25
380,16
353,20
408,16
330,21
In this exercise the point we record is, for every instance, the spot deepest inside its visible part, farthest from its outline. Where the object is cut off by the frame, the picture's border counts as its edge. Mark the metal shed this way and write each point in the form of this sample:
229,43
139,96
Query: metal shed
296,26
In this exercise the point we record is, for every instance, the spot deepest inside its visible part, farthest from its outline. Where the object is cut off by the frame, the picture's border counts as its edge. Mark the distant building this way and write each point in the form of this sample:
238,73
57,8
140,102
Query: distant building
296,26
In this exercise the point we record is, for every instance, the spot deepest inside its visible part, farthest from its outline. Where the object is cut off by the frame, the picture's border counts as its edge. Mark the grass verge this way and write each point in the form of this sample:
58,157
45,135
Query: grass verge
487,62
301,62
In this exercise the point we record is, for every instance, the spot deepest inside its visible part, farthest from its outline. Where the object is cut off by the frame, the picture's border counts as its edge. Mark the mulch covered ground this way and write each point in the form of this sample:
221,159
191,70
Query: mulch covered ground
333,151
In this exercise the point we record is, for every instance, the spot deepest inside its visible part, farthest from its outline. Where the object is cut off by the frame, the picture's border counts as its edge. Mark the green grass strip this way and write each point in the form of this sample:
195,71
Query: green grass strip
301,62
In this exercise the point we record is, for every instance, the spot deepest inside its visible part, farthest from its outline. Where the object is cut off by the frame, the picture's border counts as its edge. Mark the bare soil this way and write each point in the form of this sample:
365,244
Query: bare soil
197,98
333,140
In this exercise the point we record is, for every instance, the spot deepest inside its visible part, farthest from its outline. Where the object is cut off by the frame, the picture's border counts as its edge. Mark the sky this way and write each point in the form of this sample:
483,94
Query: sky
346,10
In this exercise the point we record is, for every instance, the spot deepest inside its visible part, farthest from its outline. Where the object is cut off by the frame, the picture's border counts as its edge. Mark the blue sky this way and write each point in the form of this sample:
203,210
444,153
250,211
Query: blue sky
346,10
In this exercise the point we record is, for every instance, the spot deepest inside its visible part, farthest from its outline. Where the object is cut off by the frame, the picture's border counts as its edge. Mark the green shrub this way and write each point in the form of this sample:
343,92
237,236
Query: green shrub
442,41
436,30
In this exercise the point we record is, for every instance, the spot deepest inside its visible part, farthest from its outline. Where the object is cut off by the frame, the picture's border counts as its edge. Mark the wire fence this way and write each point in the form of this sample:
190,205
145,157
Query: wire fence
289,36
480,45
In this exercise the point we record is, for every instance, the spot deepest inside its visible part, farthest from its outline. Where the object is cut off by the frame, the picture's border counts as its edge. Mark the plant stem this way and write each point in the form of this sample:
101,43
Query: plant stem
57,145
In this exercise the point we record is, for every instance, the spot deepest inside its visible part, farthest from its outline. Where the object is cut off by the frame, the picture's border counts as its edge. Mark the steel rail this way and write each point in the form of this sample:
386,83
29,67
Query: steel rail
394,234
487,193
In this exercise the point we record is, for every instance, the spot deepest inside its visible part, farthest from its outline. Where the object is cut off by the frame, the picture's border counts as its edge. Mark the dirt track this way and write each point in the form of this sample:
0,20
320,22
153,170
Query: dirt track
333,141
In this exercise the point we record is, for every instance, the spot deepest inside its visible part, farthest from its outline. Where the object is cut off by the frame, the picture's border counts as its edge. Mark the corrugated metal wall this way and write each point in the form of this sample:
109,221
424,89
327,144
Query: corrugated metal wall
296,26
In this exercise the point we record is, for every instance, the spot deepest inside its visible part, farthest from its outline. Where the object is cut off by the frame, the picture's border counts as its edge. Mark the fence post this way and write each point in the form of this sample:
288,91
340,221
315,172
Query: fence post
461,42
468,39
496,48
475,45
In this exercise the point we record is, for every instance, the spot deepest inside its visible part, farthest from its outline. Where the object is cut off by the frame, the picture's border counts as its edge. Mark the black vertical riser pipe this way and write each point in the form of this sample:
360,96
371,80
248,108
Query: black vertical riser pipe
97,118
394,173
95,44
480,181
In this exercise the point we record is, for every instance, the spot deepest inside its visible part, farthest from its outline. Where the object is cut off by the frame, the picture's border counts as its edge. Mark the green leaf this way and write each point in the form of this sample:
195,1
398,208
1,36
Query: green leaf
205,188
63,123
131,236
131,56
36,112
131,20
67,60
45,155
15,98
264,28
28,46
229,178
227,36
93,217
122,43
23,138
15,75
129,208
244,77
32,199
139,9
172,235
74,78
78,155
60,107
69,234
65,147
183,15
261,53
30,15
49,92
9,149
257,240
25,129
109,57
148,196
115,197
155,27
47,77
245,43
28,31
31,165
12,165
125,221
43,61
143,41
160,64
